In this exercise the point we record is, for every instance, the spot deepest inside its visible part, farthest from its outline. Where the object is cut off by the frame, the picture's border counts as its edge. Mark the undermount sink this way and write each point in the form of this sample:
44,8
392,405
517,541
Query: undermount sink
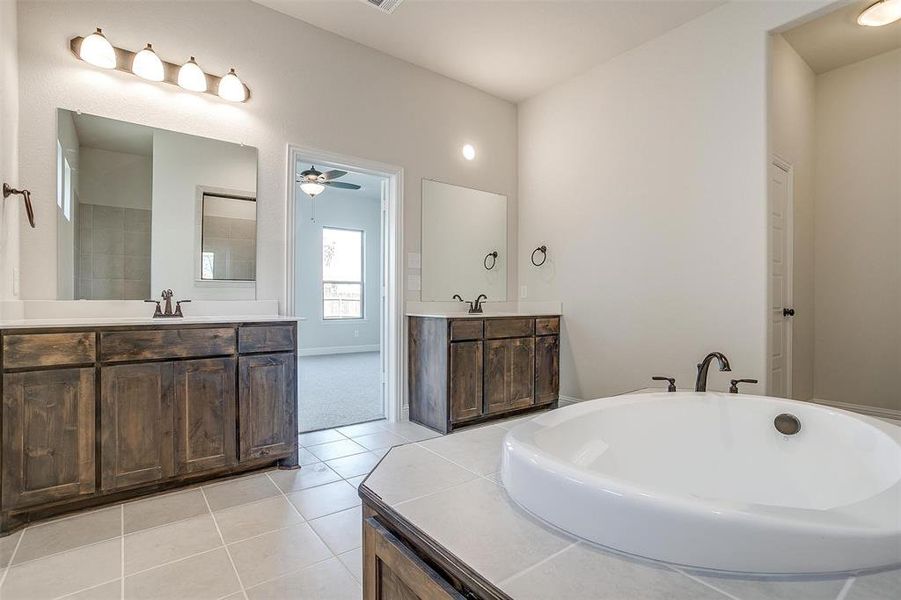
705,480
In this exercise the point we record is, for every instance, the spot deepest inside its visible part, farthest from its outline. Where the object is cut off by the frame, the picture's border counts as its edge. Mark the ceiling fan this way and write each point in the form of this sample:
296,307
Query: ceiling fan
314,182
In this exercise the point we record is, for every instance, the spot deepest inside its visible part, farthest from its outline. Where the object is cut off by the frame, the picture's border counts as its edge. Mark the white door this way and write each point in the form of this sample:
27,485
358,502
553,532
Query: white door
780,251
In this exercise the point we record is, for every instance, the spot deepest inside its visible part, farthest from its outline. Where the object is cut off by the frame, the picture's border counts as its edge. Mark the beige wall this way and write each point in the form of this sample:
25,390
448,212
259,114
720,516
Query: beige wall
858,233
791,120
9,164
359,102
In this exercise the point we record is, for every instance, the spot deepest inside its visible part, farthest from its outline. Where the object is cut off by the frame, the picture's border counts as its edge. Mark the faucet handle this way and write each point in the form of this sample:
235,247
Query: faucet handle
672,382
158,312
178,304
733,385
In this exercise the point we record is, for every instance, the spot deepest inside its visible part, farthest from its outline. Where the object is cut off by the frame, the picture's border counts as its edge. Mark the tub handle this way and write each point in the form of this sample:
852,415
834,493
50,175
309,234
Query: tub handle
672,382
733,385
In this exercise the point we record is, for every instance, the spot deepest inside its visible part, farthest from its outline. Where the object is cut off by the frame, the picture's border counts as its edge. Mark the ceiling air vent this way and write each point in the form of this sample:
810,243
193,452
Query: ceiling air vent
386,6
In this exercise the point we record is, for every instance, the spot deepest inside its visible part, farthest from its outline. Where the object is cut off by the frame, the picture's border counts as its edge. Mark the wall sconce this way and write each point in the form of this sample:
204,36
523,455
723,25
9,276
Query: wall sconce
95,49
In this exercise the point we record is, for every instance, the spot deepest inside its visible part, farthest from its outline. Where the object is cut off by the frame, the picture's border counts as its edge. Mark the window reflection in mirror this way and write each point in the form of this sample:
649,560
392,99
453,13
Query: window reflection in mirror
228,247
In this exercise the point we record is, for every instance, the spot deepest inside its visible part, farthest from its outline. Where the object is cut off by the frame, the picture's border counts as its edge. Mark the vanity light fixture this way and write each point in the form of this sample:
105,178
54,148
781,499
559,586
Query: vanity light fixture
191,77
147,65
881,13
469,152
95,49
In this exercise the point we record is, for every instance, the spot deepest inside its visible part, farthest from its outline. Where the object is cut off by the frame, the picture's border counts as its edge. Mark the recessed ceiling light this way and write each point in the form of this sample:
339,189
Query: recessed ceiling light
882,13
469,152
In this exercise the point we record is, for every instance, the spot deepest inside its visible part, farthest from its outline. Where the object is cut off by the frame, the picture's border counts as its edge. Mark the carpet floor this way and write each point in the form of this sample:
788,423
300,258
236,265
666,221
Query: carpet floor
339,389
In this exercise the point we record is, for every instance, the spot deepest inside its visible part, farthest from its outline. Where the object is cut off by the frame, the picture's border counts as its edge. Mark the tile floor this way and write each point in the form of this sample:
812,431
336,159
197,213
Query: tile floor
271,535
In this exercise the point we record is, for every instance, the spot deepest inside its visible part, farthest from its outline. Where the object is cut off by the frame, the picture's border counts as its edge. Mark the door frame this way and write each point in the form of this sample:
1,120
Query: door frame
391,342
784,165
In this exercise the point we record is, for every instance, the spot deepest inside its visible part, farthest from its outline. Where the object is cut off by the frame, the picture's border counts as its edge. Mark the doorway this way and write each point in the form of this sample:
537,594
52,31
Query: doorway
343,238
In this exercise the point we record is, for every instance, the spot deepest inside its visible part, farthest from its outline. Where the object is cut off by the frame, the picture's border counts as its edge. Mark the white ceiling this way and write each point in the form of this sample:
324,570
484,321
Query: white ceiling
836,40
513,49
114,136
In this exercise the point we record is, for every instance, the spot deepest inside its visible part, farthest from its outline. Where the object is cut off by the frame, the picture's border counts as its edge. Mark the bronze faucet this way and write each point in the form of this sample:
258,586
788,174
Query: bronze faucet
475,308
160,313
704,365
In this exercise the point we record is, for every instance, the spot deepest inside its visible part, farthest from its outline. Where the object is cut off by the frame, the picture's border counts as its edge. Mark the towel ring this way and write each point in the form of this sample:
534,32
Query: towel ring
543,250
493,257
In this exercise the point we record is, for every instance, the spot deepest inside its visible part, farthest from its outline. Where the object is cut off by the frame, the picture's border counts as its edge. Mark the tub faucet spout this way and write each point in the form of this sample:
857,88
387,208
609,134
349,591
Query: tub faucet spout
704,365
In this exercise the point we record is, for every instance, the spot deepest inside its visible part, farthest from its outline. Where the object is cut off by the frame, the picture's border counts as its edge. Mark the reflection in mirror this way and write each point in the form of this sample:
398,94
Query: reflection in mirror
133,204
462,229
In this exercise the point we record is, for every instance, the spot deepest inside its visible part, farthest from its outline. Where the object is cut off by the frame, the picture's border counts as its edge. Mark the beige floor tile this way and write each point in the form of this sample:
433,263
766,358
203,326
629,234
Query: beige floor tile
354,466
305,457
411,471
235,596
64,573
153,547
309,476
411,431
240,491
341,531
776,589
277,553
201,577
7,546
328,580
381,452
248,520
336,449
379,440
326,499
876,586
478,450
108,591
69,533
319,437
353,560
363,428
356,481
163,509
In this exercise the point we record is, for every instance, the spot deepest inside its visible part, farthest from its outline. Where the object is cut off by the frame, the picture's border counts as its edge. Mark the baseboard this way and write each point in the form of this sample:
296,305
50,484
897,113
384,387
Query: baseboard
405,412
337,350
568,399
873,411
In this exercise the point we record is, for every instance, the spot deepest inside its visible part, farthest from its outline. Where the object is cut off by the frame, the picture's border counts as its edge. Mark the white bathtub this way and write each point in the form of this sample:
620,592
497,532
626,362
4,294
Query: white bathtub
705,480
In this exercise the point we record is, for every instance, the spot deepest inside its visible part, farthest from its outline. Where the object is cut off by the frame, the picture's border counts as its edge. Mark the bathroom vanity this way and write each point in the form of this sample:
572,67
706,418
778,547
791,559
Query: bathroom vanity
106,410
466,369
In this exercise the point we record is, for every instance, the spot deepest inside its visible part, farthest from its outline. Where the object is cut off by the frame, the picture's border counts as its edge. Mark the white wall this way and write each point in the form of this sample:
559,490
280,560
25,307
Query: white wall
361,103
115,178
858,233
9,155
66,228
181,163
657,235
791,121
349,210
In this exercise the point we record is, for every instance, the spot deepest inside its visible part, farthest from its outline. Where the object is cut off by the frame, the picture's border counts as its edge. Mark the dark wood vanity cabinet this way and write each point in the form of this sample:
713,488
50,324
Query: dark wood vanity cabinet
99,415
468,370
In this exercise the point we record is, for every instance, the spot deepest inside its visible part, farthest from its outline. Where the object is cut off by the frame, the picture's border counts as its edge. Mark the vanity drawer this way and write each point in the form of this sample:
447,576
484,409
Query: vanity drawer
166,343
550,326
465,329
48,349
266,338
505,328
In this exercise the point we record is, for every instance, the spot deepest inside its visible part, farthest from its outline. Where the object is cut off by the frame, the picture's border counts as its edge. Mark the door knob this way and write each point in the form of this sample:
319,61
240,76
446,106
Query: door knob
788,312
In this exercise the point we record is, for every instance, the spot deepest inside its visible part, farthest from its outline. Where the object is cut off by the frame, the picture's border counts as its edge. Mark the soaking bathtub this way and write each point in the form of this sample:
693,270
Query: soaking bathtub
705,480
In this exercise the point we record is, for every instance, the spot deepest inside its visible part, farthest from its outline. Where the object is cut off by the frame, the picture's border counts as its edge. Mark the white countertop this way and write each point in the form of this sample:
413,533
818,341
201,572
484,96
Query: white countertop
126,321
448,488
485,315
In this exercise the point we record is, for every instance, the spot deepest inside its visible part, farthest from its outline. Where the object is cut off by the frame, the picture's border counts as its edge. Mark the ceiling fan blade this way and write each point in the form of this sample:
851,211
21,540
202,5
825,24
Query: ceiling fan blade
333,174
342,185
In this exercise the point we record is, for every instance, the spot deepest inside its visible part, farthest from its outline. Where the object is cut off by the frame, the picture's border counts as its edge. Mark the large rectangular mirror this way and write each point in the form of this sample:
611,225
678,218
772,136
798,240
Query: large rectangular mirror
464,243
142,209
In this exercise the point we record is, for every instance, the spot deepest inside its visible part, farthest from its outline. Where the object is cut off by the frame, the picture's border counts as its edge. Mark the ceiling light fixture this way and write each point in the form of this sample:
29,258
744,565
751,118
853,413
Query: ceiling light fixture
97,50
191,77
311,188
881,13
147,65
231,87
469,152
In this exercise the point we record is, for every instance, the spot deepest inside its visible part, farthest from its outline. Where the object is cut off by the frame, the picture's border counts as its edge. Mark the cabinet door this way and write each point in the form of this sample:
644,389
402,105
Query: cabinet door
509,374
205,421
547,368
393,571
136,424
267,402
48,436
465,380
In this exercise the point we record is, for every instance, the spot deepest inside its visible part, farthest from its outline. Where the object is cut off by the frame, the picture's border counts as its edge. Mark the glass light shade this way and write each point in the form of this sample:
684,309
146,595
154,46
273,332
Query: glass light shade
148,65
97,50
469,152
231,88
191,77
312,189
882,13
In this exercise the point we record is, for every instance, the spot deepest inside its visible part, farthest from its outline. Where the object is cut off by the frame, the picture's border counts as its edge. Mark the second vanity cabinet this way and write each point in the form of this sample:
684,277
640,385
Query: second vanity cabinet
466,370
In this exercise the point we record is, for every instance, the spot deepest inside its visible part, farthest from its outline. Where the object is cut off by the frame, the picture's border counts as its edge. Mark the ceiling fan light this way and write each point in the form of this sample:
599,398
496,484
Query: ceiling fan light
881,13
311,188
147,65
191,77
96,50
232,88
